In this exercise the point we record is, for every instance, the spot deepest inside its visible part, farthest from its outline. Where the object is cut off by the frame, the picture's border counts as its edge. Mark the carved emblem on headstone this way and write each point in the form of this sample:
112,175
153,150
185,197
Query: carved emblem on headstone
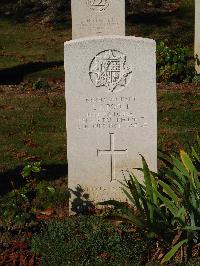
109,69
98,5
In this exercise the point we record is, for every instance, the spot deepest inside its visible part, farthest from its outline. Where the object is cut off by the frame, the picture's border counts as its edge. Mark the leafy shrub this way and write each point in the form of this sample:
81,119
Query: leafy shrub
175,64
87,240
31,168
38,84
172,201
48,196
15,208
21,206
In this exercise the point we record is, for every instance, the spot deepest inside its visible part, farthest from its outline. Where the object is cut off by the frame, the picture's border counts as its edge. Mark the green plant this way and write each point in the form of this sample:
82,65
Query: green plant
48,196
30,168
88,240
15,208
40,84
181,196
145,209
172,201
175,64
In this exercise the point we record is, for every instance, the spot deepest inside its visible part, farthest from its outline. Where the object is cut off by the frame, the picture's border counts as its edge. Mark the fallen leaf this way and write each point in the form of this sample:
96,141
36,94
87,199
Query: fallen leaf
196,109
22,260
21,154
30,143
105,255
7,107
19,244
31,261
47,212
176,238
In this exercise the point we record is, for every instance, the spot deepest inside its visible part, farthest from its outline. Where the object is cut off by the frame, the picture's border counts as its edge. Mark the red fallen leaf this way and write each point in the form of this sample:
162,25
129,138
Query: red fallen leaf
47,212
196,102
29,234
33,158
176,238
22,260
19,245
6,107
105,255
30,143
14,258
196,109
42,217
21,154
31,261
82,237
167,119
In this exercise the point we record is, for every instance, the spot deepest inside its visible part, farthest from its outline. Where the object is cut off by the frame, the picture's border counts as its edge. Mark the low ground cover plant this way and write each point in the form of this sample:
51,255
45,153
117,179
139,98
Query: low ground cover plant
89,240
36,200
175,64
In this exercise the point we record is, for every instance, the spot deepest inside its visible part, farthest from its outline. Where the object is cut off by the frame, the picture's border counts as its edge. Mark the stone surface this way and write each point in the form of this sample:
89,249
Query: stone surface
97,18
197,32
111,112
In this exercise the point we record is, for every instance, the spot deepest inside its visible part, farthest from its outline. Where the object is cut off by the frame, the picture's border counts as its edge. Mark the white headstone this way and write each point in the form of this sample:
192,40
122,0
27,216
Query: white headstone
197,32
97,18
111,111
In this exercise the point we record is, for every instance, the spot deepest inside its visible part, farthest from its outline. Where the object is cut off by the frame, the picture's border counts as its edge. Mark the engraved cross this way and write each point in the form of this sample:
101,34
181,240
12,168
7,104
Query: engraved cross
112,152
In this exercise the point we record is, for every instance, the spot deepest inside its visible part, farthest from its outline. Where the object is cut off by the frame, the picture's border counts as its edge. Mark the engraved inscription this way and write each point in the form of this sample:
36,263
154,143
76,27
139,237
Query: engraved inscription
112,152
98,5
109,69
111,113
98,25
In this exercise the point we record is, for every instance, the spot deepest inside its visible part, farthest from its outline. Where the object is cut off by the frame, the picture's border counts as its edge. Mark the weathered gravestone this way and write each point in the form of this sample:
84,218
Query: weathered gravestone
111,112
97,17
197,32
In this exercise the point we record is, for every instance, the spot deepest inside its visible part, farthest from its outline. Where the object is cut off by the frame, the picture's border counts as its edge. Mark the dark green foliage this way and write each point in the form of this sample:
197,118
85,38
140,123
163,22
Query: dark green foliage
88,240
175,64
172,201
15,208
194,262
30,168
48,196
20,206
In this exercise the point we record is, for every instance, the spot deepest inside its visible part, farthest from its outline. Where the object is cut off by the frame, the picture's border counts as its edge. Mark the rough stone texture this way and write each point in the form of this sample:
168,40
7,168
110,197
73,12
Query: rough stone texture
197,32
111,112
97,18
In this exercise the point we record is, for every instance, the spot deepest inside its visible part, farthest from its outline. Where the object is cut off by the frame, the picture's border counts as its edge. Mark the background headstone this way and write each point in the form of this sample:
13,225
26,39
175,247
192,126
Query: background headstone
97,18
197,32
111,112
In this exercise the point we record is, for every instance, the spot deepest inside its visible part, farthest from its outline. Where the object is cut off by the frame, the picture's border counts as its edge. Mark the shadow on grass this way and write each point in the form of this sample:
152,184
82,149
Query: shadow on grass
80,201
176,23
161,16
15,75
13,178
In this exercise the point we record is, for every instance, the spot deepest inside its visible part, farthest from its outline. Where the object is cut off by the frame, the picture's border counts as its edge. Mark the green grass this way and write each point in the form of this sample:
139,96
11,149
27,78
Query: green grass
23,43
178,119
174,27
36,119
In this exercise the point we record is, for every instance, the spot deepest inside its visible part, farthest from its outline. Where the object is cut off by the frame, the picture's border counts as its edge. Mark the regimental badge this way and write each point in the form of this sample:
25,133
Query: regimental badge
98,5
109,69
